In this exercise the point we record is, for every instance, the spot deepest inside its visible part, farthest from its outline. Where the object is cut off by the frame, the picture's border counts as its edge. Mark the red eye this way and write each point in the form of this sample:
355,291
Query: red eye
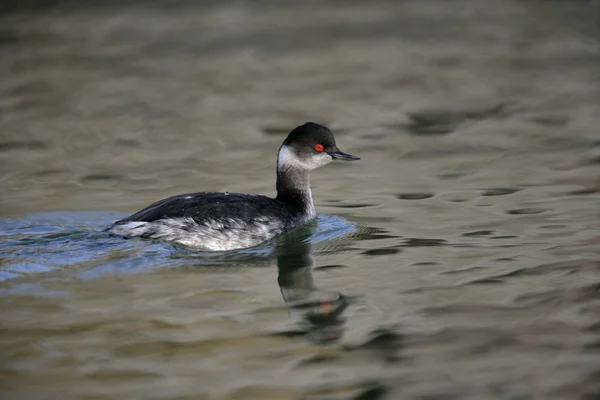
319,147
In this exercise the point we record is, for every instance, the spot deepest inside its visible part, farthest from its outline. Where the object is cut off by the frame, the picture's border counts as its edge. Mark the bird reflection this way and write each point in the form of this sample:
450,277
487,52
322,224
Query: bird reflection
319,311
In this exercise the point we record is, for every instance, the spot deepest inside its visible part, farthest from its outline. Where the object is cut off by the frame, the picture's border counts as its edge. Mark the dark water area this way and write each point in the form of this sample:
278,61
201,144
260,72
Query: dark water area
459,259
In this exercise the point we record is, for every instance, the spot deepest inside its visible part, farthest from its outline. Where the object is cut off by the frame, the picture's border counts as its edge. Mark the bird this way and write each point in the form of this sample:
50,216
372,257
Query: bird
226,221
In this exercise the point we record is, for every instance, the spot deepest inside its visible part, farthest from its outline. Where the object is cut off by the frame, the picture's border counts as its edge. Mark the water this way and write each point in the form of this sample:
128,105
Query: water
460,258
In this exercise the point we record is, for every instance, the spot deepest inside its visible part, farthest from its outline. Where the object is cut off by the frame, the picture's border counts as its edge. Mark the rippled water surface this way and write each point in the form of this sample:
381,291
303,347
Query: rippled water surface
460,258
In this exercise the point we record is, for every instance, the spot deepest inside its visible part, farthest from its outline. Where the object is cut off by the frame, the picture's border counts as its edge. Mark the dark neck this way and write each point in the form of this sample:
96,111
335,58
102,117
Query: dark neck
293,187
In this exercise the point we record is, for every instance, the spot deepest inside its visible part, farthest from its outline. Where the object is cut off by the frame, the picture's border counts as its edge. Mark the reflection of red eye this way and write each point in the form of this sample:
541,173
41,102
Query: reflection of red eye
319,147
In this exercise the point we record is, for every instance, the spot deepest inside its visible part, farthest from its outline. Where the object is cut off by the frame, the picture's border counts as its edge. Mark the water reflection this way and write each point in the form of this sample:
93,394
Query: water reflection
320,312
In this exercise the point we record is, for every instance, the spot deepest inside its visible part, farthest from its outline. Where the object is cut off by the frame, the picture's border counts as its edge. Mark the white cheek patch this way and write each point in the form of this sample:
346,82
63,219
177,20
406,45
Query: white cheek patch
288,159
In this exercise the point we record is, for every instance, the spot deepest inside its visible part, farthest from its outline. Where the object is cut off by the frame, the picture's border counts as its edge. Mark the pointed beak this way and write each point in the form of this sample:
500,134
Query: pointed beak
337,154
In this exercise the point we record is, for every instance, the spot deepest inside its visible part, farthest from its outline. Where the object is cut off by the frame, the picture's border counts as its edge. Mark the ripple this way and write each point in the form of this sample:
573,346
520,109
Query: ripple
442,122
23,145
563,267
429,289
452,175
330,266
584,192
101,177
191,348
365,390
499,191
478,233
486,281
372,233
526,211
384,343
420,242
578,294
381,252
467,270
450,309
550,120
482,340
122,142
414,196
365,205
594,327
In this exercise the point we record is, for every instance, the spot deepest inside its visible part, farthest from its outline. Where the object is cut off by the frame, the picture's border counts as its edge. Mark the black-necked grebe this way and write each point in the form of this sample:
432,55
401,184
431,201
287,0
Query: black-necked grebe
226,221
